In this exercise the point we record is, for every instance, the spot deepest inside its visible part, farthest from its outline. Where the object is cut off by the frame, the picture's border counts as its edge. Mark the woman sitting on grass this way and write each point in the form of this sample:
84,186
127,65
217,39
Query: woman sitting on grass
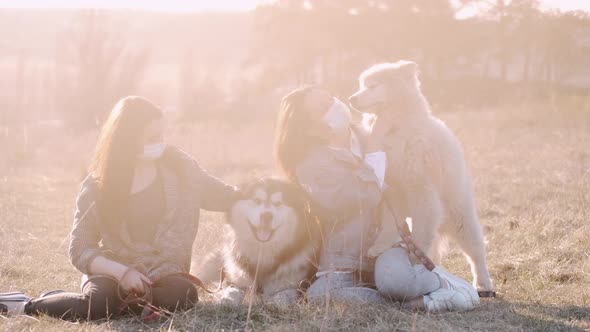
136,220
343,172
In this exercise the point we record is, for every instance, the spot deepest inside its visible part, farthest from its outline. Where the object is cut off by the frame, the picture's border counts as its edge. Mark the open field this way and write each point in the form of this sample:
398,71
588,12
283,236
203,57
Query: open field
531,169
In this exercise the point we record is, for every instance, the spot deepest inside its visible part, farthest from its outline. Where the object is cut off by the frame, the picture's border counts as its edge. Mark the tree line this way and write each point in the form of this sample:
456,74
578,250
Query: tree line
470,52
503,41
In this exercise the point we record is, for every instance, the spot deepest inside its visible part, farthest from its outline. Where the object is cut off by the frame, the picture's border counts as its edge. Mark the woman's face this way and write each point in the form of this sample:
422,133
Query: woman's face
329,117
153,133
317,103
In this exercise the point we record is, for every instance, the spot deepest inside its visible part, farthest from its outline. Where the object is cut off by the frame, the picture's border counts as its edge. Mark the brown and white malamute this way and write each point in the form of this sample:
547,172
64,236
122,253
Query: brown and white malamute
270,235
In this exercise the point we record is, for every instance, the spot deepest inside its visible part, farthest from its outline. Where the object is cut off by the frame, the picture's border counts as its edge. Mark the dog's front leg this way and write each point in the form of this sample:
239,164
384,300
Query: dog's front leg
426,210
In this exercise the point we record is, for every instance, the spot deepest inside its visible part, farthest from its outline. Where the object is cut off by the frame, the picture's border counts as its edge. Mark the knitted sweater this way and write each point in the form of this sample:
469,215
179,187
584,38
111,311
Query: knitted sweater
187,188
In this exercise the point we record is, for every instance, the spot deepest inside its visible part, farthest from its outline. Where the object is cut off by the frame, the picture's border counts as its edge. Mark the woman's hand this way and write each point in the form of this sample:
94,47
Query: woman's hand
133,281
130,279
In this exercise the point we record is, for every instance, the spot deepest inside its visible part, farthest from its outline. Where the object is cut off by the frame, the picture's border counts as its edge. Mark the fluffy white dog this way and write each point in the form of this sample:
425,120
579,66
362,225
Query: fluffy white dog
426,168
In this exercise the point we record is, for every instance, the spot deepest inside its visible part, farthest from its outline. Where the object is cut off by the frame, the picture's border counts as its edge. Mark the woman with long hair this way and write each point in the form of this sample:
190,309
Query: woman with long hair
317,148
341,168
136,220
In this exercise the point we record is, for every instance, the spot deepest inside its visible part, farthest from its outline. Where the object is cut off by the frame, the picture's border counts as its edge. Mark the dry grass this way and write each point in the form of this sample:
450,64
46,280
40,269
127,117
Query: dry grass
531,167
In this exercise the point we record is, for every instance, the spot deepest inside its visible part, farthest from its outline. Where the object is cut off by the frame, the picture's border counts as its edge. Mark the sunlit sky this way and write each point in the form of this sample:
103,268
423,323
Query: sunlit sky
158,5
198,5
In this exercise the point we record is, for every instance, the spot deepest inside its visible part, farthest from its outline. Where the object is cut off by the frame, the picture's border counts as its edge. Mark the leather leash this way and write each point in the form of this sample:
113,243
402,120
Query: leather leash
150,312
406,236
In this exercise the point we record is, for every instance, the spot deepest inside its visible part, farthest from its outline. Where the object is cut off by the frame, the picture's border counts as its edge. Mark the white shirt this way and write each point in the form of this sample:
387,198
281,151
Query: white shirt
376,160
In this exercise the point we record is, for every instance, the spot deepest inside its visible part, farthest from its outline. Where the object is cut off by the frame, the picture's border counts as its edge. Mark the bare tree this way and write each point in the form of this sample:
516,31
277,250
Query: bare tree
559,45
200,97
99,65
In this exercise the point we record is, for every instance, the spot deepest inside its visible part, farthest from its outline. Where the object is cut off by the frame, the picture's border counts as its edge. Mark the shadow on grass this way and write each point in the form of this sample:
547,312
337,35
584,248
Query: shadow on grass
493,315
536,316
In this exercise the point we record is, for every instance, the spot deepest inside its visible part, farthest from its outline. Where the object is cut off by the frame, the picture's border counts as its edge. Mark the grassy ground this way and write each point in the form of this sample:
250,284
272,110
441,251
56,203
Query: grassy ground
531,168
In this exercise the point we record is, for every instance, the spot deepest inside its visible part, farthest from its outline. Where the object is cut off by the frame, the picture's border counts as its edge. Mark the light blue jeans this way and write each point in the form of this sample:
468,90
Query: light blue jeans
341,287
397,278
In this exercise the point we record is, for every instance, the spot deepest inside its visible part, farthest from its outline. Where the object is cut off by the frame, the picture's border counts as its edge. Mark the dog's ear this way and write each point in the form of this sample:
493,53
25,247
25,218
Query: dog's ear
408,68
244,190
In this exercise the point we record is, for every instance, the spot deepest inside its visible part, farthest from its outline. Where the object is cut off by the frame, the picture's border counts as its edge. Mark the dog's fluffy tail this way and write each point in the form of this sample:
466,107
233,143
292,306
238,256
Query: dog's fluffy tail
209,269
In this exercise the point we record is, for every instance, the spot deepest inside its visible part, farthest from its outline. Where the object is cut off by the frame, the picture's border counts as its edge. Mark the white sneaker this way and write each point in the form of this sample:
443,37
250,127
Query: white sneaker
232,296
455,294
13,304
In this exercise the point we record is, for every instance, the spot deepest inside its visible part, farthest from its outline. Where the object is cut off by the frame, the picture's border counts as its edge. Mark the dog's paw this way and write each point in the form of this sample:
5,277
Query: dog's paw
232,296
283,298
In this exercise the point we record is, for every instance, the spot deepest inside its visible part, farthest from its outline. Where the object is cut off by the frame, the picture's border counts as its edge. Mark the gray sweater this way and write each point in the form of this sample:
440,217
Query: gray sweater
187,189
346,192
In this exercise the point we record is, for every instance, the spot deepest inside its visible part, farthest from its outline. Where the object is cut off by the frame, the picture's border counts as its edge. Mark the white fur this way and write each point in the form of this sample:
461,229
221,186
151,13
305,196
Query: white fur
427,169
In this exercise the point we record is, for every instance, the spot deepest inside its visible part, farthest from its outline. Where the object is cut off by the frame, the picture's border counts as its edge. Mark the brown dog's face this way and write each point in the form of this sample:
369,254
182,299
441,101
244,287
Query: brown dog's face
269,211
384,85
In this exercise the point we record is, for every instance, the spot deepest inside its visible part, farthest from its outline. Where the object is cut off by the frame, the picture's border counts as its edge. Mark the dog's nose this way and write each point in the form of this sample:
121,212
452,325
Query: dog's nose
266,217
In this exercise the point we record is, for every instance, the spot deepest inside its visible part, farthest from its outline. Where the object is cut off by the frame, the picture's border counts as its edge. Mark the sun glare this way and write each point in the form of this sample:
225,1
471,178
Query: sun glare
155,5
222,5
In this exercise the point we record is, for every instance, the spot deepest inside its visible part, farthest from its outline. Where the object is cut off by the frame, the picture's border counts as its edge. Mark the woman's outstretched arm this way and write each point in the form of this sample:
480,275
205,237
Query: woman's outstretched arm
216,195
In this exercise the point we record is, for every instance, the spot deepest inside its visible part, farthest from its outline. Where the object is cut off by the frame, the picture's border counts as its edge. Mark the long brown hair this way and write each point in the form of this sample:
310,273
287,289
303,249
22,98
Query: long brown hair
293,138
116,153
